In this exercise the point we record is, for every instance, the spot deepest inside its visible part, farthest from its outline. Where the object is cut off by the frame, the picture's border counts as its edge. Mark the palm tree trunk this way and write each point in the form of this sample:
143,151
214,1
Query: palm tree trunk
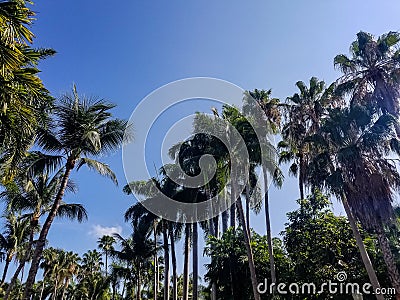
166,261
195,262
45,230
216,226
42,290
268,226
233,216
249,251
364,255
301,175
224,221
389,259
14,279
174,272
124,286
155,263
64,289
215,233
106,263
139,283
55,291
7,264
248,209
186,262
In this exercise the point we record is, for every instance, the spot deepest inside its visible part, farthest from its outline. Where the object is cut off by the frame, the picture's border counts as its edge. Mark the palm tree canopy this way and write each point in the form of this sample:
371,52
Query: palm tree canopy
82,128
372,72
353,158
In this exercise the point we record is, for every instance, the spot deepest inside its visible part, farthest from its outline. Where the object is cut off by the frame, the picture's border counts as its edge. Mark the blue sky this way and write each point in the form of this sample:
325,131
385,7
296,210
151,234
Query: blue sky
124,50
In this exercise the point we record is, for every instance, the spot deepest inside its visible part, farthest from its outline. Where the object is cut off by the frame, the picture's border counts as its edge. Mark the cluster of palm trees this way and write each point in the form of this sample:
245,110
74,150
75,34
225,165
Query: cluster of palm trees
342,139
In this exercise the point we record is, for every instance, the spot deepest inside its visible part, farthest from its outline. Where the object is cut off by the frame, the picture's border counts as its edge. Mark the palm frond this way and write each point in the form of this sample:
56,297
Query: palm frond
101,168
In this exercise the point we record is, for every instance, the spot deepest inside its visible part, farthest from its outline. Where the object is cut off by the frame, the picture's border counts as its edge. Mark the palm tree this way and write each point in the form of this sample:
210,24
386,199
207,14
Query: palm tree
106,243
13,239
48,261
371,73
91,262
33,197
304,113
138,213
137,252
71,269
264,114
188,155
79,129
185,286
175,232
24,99
350,161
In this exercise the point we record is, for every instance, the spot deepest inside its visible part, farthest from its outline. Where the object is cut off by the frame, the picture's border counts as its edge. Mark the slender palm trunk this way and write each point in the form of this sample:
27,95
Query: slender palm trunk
232,272
268,226
166,261
249,251
195,262
301,175
123,287
139,285
233,216
7,264
364,255
106,263
215,232
174,272
45,230
42,289
155,263
224,221
389,259
248,209
186,262
216,226
64,289
55,290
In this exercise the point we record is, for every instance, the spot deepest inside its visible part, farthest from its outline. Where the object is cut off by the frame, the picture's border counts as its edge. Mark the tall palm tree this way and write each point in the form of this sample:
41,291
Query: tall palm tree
304,112
265,114
78,130
106,244
34,197
351,162
175,232
186,261
188,155
371,73
13,239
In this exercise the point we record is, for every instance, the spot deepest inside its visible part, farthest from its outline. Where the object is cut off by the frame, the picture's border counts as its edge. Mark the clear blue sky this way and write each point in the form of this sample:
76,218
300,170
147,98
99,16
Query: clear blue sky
124,50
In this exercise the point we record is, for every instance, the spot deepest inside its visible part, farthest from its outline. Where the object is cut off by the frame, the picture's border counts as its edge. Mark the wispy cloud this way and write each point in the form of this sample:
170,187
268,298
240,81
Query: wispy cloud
99,231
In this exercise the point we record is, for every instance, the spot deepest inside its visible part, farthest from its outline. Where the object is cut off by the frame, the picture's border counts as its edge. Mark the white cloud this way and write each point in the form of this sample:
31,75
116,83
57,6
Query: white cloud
99,231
